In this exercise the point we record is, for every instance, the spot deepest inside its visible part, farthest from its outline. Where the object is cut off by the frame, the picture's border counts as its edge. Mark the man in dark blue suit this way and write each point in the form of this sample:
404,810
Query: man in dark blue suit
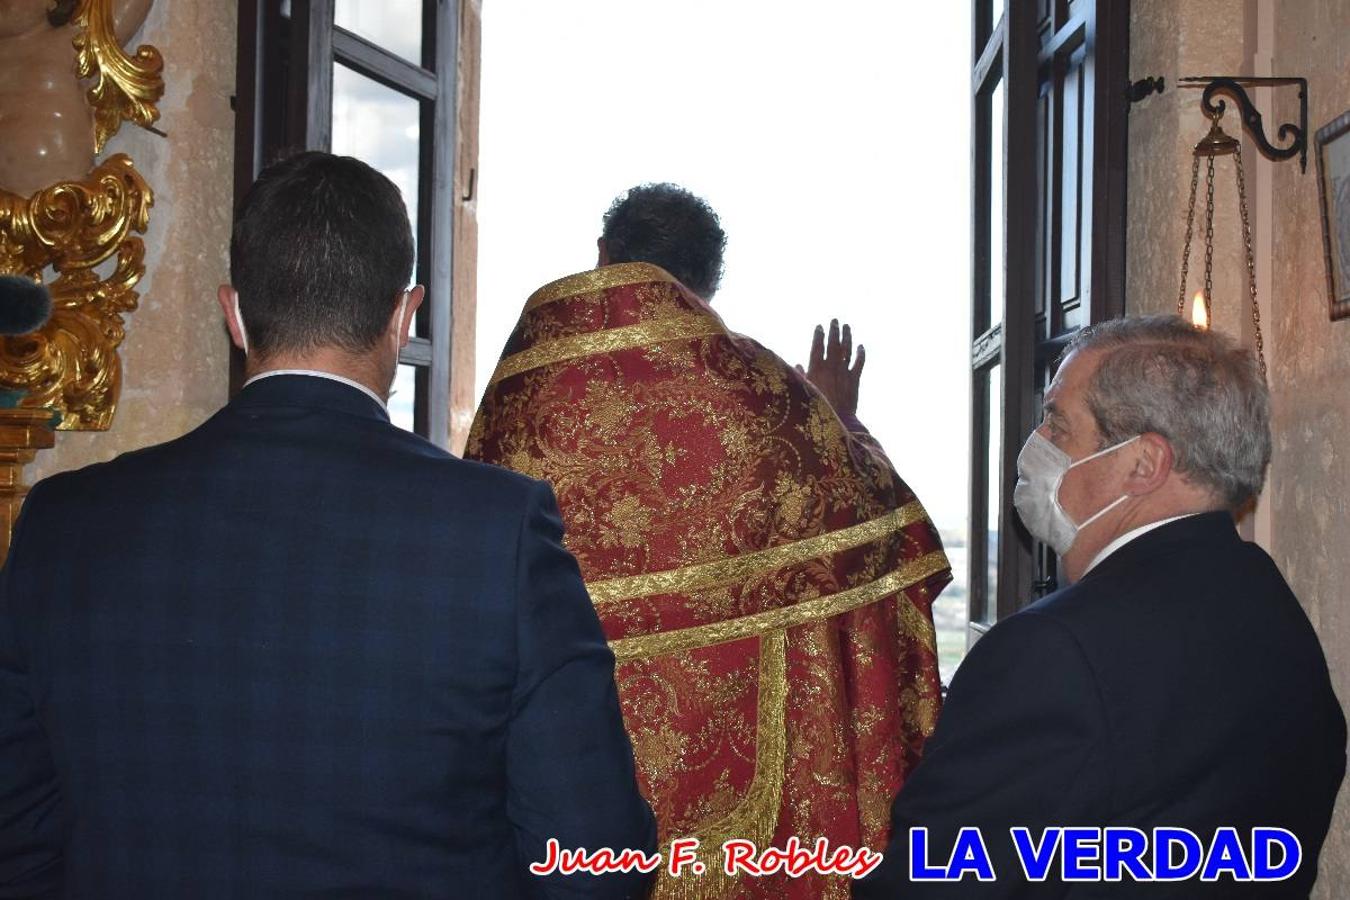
1177,682
300,652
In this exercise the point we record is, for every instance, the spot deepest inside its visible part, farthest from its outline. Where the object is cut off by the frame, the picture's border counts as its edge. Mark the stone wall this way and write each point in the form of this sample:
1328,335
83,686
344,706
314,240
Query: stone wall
1307,502
175,360
1310,378
1171,39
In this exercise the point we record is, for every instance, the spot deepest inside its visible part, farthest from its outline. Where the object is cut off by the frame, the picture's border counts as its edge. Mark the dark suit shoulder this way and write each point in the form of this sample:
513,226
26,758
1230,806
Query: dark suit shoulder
1187,583
1029,657
1037,625
386,450
498,477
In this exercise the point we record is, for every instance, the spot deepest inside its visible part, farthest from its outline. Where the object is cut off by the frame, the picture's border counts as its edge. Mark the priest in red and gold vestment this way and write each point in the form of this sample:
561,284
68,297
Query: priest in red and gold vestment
763,575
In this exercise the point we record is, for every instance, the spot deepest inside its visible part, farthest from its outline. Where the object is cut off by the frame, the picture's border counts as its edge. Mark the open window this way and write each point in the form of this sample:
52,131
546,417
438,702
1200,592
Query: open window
1049,101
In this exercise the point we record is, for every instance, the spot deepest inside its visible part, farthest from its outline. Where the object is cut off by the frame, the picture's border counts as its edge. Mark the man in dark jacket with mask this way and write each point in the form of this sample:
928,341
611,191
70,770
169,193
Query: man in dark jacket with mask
1175,683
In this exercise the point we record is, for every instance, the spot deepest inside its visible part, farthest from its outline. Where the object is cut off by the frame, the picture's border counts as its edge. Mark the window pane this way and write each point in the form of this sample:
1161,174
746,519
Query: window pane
380,126
996,216
395,25
995,494
403,397
1073,205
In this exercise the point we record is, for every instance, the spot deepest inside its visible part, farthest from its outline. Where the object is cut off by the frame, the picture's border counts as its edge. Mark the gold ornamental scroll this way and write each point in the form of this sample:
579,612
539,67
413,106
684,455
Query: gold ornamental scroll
71,365
126,88
83,236
79,236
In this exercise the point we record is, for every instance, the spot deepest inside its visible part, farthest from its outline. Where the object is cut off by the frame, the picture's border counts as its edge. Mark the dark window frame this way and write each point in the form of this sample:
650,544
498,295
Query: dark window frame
1031,47
284,100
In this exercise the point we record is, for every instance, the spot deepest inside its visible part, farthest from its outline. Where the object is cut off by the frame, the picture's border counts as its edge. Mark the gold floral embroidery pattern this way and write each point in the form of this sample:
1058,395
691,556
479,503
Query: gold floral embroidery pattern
597,280
908,575
755,818
748,565
612,340
703,483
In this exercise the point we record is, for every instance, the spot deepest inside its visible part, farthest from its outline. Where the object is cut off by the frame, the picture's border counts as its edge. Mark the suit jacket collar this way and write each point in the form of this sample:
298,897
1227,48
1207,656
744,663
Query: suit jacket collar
1215,528
308,391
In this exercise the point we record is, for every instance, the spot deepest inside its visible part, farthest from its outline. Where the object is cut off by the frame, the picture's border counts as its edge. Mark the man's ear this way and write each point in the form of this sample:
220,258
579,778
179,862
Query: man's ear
1153,461
228,298
416,295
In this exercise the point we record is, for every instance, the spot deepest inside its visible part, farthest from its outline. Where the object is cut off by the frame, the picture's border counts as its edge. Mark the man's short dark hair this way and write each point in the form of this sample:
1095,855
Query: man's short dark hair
321,251
665,225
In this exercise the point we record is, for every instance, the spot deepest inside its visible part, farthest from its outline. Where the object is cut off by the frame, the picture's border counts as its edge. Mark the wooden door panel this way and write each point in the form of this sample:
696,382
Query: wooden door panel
1061,66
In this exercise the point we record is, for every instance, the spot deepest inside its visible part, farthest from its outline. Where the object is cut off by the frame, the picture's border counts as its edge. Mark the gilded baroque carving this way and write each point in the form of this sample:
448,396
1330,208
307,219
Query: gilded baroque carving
84,227
126,88
71,365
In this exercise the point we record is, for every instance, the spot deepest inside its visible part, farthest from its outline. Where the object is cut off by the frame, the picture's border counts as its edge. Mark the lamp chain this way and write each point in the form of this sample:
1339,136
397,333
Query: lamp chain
1251,263
1217,142
1209,240
1186,248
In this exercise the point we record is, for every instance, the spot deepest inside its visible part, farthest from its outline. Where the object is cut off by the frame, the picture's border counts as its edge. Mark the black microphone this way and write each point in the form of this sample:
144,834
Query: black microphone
25,305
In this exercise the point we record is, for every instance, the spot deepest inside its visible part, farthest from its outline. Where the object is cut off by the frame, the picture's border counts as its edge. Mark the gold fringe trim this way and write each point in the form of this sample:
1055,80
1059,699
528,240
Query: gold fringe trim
597,280
755,818
662,642
611,340
689,579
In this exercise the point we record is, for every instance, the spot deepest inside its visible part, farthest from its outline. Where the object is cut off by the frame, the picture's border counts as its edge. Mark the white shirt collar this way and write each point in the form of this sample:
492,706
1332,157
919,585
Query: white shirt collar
318,373
1131,535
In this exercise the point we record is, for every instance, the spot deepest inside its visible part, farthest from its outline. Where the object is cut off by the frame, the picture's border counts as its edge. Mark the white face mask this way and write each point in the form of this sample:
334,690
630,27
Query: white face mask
398,321
398,341
1041,467
239,322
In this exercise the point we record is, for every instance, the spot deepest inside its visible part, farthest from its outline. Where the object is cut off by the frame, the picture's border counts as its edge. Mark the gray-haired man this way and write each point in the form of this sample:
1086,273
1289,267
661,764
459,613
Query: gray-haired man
1175,684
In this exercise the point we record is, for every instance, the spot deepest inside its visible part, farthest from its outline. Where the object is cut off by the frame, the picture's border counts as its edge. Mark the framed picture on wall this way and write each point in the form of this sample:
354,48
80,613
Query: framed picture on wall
1333,177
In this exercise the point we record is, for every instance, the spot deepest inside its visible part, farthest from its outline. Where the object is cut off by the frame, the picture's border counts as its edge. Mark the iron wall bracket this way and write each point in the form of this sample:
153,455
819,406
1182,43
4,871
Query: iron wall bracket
1235,87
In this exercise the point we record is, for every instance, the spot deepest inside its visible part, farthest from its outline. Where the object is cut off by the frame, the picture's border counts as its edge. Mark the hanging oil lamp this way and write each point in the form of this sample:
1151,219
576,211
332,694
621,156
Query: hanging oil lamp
1217,143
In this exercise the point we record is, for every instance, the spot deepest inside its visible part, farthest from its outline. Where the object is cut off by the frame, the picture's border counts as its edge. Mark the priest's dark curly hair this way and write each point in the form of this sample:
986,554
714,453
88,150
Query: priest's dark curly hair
665,225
